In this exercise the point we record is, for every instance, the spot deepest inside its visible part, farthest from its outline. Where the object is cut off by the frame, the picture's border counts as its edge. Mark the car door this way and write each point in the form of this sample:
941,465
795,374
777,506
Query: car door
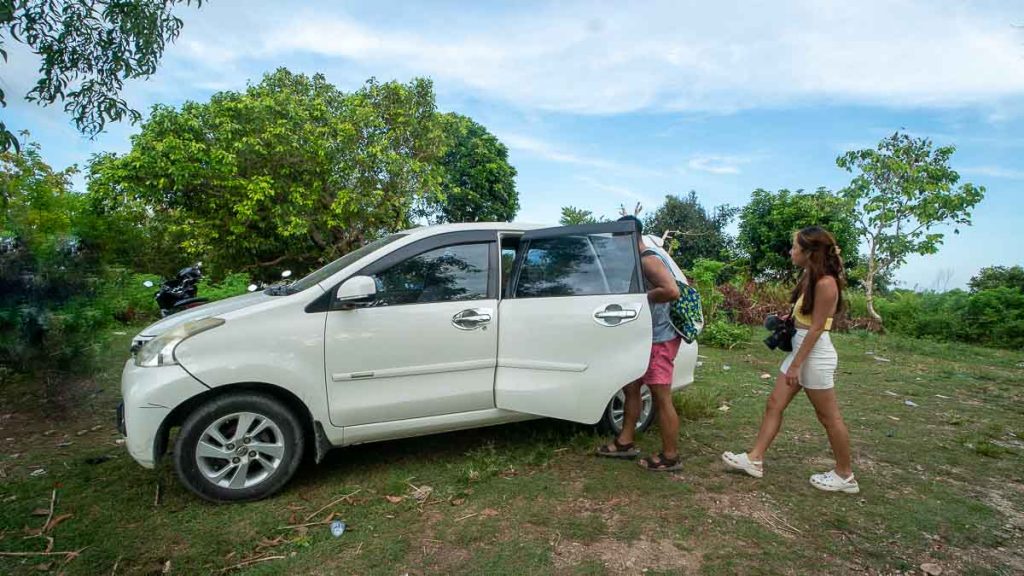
427,345
576,325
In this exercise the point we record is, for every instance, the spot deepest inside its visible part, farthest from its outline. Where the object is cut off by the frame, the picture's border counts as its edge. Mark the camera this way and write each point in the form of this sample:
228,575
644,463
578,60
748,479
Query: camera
782,332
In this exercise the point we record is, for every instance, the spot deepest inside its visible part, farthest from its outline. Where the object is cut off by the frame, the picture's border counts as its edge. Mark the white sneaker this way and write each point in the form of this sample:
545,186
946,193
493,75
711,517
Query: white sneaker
832,482
744,463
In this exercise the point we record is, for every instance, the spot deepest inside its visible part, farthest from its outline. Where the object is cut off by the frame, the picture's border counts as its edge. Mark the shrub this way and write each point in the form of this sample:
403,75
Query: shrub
725,334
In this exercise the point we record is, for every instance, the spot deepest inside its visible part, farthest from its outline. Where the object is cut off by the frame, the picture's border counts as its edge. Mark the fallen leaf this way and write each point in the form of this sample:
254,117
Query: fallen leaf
167,567
723,408
394,499
41,512
894,418
489,512
53,523
458,501
765,376
45,567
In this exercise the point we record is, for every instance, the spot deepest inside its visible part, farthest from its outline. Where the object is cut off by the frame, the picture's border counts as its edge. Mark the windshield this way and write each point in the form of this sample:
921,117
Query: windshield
339,264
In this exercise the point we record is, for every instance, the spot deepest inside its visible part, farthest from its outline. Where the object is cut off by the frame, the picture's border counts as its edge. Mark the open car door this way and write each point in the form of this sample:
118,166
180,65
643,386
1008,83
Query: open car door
576,325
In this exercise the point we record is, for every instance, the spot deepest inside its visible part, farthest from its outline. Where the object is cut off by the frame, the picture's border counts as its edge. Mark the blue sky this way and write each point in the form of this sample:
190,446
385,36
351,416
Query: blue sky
605,103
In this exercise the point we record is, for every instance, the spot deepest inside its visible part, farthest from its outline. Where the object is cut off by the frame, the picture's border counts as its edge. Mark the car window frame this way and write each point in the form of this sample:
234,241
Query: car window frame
424,245
636,285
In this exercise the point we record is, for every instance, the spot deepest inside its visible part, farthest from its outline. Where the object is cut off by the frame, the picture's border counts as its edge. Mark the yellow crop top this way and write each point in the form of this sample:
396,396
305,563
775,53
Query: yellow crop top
805,319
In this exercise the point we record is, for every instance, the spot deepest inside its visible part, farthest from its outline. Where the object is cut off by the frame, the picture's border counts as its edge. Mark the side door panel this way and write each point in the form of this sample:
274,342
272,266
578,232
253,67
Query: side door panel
577,326
428,346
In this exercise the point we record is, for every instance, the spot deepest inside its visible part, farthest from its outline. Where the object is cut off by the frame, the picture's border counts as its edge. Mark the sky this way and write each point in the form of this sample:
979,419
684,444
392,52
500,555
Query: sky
609,103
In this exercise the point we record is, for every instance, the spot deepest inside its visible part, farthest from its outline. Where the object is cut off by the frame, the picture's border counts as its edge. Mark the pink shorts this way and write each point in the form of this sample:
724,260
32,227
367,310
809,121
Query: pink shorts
662,363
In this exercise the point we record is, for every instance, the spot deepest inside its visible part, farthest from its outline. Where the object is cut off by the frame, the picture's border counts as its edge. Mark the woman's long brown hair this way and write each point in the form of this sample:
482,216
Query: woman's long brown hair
822,259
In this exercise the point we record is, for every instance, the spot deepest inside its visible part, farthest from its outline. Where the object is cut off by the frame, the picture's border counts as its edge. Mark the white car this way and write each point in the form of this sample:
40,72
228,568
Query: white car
430,330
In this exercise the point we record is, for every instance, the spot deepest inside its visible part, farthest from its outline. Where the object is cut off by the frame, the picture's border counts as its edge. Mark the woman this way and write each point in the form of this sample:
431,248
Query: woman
812,364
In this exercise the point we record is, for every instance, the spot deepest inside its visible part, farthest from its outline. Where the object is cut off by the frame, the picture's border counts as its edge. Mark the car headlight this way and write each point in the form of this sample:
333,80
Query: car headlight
160,350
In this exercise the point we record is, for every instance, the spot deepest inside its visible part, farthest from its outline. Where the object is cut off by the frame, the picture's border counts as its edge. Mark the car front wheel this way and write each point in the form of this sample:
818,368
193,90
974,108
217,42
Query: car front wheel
614,414
238,447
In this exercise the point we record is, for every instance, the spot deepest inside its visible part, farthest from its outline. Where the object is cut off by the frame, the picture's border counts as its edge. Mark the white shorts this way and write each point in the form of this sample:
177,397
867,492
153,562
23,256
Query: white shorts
819,368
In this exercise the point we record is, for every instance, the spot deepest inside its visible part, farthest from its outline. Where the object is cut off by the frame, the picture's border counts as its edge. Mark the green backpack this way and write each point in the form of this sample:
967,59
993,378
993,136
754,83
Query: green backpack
685,312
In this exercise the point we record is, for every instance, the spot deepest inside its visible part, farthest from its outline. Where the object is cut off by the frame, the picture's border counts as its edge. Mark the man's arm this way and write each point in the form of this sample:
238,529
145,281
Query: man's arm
663,284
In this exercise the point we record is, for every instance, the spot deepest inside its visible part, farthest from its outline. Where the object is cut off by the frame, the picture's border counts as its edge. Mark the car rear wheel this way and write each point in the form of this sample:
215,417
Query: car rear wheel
614,414
238,447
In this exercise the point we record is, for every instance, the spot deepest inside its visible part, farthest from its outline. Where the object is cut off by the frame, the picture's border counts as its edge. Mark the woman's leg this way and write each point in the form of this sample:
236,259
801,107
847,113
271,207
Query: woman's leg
779,399
827,408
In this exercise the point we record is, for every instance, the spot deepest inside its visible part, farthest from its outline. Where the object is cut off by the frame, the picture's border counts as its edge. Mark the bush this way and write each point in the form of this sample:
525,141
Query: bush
725,334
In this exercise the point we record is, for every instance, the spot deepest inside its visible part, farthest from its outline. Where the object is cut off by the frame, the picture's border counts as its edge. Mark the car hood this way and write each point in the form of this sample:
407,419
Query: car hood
211,309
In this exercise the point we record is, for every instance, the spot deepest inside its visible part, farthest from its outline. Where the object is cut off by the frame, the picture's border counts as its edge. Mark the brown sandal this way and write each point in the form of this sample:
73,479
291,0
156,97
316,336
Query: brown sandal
663,464
620,451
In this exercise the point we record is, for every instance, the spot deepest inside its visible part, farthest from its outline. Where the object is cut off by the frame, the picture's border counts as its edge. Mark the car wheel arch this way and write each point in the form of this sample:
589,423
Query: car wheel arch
311,428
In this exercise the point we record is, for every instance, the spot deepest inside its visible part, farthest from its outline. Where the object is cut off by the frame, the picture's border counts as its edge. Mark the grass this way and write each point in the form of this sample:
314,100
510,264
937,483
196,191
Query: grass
942,482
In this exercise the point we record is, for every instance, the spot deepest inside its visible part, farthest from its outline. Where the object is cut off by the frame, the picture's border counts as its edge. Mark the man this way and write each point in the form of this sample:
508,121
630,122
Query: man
661,289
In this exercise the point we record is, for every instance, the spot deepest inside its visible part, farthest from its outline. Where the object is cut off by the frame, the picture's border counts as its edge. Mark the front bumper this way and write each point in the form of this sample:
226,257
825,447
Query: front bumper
150,394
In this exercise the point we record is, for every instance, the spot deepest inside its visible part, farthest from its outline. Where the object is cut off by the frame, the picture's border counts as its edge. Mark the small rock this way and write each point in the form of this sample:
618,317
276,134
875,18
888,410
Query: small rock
931,569
766,376
723,408
910,403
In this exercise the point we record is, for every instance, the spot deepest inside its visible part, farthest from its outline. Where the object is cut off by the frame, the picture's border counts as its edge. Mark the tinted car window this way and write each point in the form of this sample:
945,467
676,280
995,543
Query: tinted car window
578,266
445,274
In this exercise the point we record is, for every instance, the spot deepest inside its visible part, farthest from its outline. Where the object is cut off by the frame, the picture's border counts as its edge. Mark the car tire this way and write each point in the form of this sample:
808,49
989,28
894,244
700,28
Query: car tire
611,421
221,463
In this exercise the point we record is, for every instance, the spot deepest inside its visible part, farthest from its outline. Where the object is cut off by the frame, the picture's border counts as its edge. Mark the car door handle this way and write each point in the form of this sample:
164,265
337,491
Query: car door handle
615,314
472,318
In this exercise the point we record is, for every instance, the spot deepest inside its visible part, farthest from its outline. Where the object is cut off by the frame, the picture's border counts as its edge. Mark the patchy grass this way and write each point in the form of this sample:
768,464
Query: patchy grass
942,482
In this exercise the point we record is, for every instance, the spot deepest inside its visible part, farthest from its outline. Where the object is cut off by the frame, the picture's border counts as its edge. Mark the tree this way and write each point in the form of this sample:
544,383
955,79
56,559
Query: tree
478,184
573,216
904,189
290,172
768,221
698,234
87,49
998,277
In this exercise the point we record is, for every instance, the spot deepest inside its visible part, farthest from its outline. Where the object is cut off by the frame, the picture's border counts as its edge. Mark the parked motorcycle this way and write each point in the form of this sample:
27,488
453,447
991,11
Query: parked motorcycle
256,286
179,293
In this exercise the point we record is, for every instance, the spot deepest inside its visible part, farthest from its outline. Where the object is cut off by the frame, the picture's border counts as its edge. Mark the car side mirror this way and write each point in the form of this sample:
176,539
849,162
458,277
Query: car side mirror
357,291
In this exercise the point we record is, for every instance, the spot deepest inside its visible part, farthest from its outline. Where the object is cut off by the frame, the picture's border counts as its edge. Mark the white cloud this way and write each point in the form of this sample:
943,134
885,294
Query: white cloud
611,58
717,164
994,172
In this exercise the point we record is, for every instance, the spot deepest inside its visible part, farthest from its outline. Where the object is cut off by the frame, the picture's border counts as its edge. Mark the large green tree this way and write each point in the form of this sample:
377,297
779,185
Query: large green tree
768,221
290,172
903,189
696,233
478,183
87,49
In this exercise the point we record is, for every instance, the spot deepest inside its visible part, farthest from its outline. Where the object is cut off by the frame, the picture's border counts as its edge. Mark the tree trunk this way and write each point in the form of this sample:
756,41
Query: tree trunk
869,285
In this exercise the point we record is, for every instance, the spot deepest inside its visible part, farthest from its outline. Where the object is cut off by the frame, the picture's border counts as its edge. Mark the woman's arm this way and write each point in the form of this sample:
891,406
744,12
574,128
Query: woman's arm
826,296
